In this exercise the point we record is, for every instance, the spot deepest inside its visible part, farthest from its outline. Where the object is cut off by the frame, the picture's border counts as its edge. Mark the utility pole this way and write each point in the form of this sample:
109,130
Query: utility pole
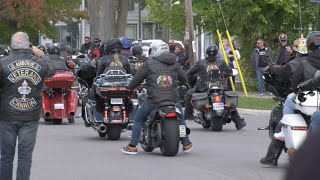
140,24
189,31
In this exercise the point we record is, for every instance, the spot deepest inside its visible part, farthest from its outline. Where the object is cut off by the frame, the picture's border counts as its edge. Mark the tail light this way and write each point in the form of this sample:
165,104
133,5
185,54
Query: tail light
124,114
216,99
172,114
105,113
299,128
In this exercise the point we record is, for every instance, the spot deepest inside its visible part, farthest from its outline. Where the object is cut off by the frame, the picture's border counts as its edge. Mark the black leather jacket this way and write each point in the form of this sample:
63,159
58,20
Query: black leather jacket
21,82
162,74
105,62
201,70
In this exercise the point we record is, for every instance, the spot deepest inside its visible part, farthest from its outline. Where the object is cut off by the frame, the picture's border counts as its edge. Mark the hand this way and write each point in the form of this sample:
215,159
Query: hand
289,49
37,52
303,85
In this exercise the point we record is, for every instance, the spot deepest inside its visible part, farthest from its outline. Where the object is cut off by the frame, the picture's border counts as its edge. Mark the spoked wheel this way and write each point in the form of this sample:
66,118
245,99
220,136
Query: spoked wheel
216,124
57,121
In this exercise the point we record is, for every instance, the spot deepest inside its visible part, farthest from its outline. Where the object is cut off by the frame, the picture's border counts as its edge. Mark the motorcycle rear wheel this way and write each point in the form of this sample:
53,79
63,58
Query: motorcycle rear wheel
114,131
216,124
170,137
57,121
48,120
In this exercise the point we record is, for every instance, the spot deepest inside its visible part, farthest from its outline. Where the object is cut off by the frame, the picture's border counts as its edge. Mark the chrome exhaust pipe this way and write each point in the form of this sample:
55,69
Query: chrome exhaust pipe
71,114
130,127
102,128
47,114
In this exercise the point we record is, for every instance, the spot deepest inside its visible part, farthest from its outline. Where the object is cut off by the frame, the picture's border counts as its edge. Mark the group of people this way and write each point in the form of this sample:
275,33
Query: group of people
301,71
24,70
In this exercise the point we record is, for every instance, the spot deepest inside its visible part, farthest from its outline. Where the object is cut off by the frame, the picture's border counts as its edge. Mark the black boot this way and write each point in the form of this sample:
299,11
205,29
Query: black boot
240,123
273,154
188,105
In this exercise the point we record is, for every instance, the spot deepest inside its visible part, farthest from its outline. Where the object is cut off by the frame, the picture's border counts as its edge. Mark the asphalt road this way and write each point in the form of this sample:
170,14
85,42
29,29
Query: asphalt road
73,152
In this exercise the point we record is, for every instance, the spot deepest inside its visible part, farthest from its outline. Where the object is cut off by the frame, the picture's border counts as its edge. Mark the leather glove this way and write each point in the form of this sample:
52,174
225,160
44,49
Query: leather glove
306,85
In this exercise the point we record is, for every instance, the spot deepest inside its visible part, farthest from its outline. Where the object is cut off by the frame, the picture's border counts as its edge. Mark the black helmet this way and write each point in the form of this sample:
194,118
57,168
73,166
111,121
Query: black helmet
313,40
54,49
136,50
212,50
113,45
42,48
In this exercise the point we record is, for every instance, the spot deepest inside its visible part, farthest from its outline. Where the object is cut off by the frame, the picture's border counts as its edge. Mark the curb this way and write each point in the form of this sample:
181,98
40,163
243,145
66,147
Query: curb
253,111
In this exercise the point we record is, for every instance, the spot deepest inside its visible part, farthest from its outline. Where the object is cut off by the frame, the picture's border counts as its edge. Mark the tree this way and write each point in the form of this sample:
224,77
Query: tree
108,18
33,16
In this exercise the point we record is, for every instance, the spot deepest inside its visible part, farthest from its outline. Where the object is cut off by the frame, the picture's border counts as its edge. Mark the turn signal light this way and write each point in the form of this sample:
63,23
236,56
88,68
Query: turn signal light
217,99
301,128
172,114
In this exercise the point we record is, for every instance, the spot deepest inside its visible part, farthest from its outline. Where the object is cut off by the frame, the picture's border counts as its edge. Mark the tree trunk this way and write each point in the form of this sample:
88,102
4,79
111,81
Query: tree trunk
318,28
108,18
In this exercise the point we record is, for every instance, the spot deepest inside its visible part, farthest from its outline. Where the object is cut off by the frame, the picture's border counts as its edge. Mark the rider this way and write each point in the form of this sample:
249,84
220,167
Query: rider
112,49
162,64
57,61
306,70
137,53
200,68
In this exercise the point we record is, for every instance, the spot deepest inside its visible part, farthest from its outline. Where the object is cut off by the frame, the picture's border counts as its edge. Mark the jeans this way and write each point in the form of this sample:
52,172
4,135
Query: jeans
142,115
289,105
26,133
315,122
259,72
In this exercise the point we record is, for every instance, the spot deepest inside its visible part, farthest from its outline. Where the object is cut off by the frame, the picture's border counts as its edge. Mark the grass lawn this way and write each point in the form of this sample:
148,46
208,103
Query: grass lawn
256,103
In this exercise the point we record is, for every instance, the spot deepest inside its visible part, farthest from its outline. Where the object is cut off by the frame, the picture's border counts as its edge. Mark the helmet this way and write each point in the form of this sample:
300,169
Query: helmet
136,50
313,40
283,36
157,48
212,50
113,45
300,46
126,44
54,49
42,48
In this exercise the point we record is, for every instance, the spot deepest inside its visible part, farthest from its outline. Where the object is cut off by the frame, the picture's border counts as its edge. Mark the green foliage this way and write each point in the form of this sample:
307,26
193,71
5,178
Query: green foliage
249,19
260,103
33,16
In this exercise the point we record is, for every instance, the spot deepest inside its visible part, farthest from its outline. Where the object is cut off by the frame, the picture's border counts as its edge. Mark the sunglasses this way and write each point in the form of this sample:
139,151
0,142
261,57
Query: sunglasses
283,40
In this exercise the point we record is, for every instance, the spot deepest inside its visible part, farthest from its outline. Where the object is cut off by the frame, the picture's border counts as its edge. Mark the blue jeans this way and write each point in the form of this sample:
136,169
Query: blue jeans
26,133
142,115
259,72
289,104
315,122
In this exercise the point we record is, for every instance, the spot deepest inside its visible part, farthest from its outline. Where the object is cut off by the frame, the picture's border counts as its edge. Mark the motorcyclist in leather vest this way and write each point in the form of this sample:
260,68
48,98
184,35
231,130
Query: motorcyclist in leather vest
306,70
201,70
57,61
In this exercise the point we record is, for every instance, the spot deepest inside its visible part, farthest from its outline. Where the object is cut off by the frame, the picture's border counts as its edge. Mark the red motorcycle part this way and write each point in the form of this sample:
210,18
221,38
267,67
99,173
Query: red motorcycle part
61,79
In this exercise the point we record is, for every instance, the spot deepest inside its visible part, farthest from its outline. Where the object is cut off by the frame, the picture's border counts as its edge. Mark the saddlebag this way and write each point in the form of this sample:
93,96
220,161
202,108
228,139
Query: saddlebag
199,100
231,98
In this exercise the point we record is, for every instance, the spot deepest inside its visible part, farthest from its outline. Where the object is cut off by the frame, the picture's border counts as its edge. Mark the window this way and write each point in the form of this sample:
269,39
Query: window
131,32
131,5
147,31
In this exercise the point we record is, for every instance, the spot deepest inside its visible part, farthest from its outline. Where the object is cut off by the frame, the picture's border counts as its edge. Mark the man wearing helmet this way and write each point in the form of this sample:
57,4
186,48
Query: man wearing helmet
137,55
201,70
57,61
284,52
305,70
162,64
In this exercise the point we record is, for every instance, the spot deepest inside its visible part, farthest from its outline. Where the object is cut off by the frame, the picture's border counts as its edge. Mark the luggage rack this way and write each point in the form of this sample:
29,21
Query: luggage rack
114,78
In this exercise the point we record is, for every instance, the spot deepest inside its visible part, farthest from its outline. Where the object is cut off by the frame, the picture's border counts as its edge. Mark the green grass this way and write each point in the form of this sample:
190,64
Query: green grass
256,103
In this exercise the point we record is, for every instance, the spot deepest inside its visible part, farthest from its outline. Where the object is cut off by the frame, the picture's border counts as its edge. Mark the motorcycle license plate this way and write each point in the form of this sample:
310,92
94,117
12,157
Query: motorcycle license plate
183,132
58,106
116,101
217,106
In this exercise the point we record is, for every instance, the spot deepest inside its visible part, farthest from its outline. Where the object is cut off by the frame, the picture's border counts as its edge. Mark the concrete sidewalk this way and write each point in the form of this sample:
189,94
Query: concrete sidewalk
255,94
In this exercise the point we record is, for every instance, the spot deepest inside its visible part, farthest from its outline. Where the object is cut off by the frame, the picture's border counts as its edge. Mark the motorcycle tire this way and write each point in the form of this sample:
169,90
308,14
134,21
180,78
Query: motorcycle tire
146,148
48,120
170,137
114,131
102,134
205,126
57,121
71,120
216,124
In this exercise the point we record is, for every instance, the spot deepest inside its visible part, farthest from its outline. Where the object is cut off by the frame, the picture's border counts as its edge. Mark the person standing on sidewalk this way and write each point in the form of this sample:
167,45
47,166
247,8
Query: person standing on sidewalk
21,81
284,52
258,61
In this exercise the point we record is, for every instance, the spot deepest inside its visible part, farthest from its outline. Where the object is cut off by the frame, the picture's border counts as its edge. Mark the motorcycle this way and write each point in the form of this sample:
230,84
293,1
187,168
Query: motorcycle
58,99
162,129
214,108
111,88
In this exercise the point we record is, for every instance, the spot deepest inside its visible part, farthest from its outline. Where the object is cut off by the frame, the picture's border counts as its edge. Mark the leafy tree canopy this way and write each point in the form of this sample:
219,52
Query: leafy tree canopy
33,16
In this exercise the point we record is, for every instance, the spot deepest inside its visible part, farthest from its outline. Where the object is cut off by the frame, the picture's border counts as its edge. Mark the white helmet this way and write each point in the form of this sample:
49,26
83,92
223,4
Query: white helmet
300,46
157,48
